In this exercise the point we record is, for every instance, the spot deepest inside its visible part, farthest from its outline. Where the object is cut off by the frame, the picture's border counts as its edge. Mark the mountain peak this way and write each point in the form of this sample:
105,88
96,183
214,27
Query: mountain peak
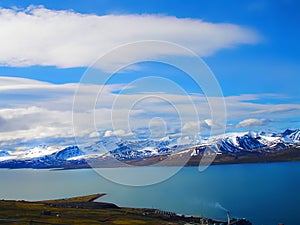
287,132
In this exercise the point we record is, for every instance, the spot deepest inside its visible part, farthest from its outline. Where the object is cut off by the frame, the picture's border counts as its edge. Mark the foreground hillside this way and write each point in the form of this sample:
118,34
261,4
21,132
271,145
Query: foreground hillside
83,210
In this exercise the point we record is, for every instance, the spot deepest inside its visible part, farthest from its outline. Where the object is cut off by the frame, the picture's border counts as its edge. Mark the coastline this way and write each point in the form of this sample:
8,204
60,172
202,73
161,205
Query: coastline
84,210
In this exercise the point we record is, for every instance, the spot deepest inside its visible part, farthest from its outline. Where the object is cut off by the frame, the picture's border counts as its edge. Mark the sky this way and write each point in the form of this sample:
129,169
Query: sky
55,55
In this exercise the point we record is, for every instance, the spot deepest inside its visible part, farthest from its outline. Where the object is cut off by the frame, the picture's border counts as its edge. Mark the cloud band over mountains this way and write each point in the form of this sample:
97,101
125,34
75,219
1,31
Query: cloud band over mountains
34,110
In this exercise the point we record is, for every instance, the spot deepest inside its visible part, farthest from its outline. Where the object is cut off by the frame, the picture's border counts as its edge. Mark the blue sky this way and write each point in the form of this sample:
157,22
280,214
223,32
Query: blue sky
272,60
252,48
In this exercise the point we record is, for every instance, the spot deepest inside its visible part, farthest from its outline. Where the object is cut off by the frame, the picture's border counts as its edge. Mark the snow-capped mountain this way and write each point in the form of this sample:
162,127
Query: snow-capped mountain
54,156
135,149
292,135
247,141
38,157
252,141
29,153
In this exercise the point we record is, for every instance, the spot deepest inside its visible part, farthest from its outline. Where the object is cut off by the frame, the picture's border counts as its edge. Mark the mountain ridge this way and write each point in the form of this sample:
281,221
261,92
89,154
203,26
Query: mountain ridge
43,156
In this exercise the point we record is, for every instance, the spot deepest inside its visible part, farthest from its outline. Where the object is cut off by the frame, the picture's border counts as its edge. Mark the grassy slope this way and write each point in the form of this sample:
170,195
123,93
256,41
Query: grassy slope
87,198
23,212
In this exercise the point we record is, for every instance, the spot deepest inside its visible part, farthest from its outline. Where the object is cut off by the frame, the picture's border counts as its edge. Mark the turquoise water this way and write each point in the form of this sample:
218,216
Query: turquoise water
263,193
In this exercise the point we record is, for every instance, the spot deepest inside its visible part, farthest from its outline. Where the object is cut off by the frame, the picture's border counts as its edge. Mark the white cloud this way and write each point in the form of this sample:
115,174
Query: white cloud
202,126
19,112
120,133
40,36
94,134
45,111
191,127
253,122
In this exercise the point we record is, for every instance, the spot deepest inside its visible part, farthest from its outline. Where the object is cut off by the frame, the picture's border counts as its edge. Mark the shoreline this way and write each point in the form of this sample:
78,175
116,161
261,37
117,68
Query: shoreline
84,210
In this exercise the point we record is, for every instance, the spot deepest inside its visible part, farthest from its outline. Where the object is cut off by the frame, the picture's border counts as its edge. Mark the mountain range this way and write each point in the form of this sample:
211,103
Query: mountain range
43,156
